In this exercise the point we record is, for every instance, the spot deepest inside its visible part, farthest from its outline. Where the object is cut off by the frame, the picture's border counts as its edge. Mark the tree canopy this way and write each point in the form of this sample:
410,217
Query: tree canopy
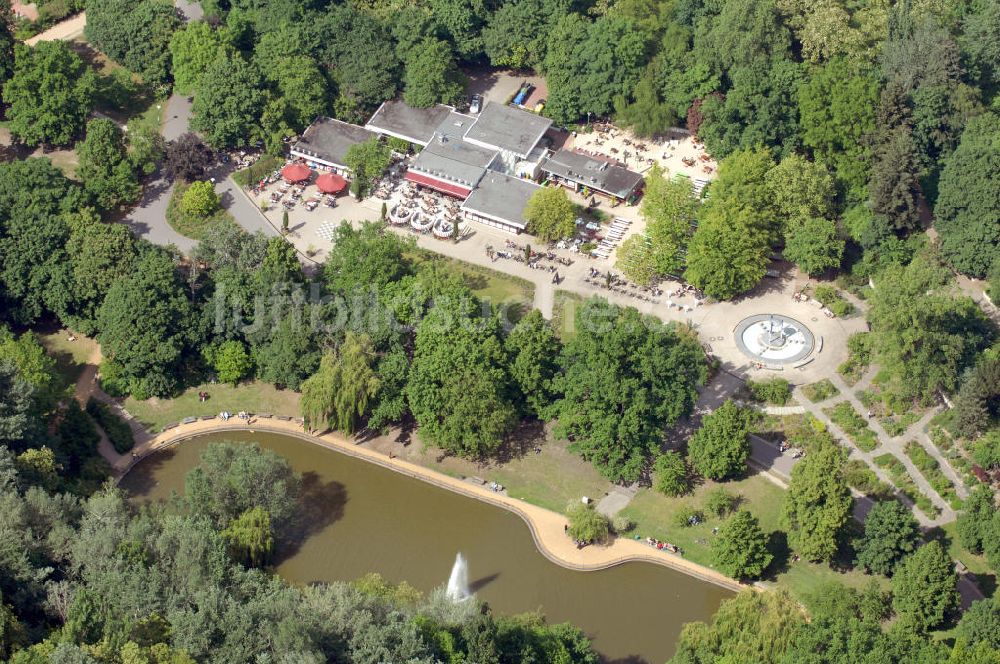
818,503
719,449
891,533
136,34
923,587
625,380
49,94
550,214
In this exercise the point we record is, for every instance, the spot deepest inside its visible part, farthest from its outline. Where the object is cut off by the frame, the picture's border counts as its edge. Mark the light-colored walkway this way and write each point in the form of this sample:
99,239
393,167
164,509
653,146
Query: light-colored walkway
547,527
69,29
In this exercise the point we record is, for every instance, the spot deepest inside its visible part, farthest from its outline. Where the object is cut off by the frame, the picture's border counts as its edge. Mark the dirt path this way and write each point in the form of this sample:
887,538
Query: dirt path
547,527
71,28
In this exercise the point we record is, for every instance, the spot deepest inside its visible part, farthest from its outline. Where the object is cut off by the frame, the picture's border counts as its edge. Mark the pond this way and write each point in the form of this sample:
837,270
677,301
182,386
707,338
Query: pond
362,518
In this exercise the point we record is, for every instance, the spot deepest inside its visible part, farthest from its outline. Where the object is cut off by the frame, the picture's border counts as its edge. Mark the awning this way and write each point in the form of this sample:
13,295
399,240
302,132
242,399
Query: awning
330,183
296,172
438,185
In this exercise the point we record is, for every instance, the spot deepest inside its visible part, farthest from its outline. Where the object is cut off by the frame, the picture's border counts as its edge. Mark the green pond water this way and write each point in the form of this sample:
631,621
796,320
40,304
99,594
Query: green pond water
363,518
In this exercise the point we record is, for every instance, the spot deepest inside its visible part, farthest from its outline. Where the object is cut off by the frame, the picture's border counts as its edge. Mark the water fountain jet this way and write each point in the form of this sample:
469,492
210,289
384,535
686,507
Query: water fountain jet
458,583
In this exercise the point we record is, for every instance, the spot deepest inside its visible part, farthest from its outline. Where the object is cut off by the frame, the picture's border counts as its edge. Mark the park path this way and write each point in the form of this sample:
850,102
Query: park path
66,30
87,387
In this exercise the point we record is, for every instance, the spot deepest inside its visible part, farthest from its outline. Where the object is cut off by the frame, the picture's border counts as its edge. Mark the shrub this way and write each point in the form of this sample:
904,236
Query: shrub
931,470
855,426
830,298
820,391
777,391
687,516
117,429
897,471
862,478
720,502
622,524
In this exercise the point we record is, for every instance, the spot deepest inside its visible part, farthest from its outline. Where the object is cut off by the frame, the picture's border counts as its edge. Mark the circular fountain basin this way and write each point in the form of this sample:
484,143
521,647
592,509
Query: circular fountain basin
774,338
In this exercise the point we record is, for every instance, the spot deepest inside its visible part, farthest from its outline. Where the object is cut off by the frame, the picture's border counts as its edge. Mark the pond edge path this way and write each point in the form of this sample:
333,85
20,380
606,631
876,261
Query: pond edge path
547,527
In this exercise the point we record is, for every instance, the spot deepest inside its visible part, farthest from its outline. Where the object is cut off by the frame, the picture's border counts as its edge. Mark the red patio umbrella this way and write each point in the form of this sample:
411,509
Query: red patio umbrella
296,172
330,183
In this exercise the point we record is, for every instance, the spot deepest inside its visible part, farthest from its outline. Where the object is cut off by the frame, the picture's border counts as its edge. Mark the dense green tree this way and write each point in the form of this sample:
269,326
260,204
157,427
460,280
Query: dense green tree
249,537
625,379
814,245
193,49
232,478
6,43
367,161
340,391
978,402
980,623
34,366
533,352
303,87
891,533
34,267
514,36
432,77
134,34
740,548
458,387
550,214
836,111
923,337
966,213
750,627
923,588
199,200
16,403
818,503
590,64
99,255
586,524
975,524
104,167
227,102
289,354
145,146
670,474
146,324
361,57
894,183
670,207
728,253
759,109
364,257
646,114
49,94
231,361
461,22
800,190
719,449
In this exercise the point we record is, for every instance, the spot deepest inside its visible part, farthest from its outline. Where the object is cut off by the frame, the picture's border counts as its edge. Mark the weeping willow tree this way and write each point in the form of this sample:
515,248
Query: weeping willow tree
338,394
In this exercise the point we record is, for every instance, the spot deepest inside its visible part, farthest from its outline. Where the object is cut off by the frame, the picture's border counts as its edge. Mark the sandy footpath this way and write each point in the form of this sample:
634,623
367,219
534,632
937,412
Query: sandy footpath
71,28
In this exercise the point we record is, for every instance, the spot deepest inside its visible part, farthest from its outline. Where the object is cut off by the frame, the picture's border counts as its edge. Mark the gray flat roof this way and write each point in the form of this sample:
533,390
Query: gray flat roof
593,173
330,139
454,160
508,128
417,125
454,125
501,197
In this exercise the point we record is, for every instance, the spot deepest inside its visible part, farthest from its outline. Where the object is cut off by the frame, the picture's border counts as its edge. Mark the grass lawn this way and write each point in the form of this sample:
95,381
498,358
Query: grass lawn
563,313
976,563
70,356
497,288
654,514
551,478
820,391
253,397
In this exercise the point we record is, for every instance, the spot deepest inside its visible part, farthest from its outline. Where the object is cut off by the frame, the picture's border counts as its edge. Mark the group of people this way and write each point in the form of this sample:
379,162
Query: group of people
243,415
664,546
